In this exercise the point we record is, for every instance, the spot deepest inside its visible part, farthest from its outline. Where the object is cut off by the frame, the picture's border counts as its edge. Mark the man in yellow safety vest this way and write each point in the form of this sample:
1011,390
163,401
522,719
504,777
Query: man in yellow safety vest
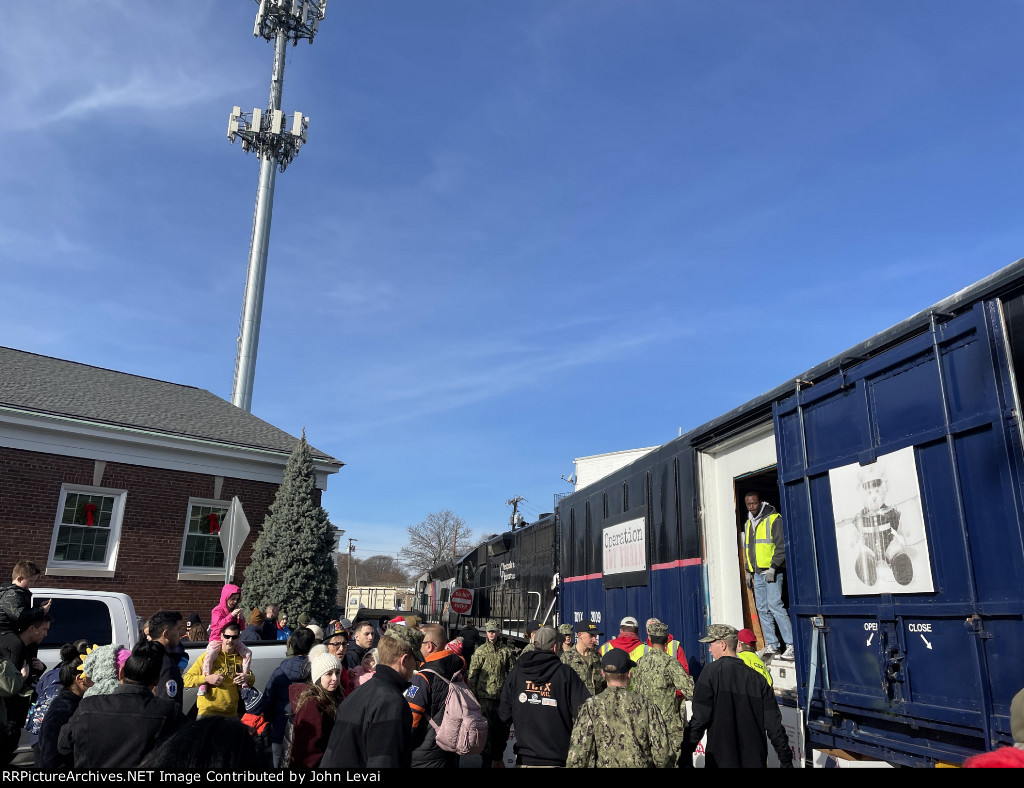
628,640
765,558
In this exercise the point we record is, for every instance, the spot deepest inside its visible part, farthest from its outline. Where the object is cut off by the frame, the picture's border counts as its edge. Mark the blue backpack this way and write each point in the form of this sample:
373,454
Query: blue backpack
47,689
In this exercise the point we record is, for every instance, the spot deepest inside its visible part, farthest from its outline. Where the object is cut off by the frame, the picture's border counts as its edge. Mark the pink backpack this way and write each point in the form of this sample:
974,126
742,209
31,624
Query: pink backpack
463,728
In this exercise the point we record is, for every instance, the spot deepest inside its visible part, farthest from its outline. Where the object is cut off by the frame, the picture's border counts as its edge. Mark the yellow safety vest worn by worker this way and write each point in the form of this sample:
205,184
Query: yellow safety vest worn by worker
634,655
755,662
764,544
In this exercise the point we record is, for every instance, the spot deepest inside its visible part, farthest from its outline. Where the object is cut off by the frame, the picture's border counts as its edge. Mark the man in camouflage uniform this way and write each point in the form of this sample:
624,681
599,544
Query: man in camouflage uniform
531,632
491,664
660,679
583,657
618,728
565,630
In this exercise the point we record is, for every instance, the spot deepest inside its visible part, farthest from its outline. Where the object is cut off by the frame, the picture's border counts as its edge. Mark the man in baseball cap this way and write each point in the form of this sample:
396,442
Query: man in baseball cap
541,698
583,656
635,726
628,640
735,707
490,666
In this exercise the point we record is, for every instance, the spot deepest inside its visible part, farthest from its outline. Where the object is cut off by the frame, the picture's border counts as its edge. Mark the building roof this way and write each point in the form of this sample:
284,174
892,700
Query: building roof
53,386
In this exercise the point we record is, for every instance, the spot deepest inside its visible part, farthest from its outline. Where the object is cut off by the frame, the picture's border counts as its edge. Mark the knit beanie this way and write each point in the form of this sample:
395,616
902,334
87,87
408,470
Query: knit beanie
100,665
322,663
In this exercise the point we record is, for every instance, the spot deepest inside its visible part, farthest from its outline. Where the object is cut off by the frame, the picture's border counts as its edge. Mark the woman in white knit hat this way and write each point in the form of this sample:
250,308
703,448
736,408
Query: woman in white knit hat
315,707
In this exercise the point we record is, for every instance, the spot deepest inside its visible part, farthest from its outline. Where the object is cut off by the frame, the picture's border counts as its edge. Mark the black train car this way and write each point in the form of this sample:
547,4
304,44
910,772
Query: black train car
513,579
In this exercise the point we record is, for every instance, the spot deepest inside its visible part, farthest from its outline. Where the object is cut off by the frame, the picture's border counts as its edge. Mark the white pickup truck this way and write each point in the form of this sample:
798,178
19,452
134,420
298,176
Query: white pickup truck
104,617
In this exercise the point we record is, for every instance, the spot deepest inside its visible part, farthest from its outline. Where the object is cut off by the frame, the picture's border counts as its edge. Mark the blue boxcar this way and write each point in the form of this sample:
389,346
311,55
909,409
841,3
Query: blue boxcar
907,612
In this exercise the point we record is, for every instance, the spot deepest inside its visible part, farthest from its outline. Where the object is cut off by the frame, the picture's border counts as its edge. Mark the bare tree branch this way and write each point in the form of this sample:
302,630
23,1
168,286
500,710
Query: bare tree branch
430,542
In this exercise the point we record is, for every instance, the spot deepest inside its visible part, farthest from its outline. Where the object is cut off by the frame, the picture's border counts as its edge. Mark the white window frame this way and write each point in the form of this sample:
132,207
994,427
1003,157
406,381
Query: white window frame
208,574
88,568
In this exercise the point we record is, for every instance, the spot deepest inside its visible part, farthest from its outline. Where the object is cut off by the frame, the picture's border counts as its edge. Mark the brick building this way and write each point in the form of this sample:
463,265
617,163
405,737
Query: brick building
110,480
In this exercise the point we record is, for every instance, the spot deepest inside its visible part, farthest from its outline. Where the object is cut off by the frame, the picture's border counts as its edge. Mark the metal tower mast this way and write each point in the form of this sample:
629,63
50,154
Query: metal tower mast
276,140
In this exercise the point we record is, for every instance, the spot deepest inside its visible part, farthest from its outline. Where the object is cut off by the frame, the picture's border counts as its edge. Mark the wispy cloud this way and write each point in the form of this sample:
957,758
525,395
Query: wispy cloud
461,373
145,90
50,248
93,53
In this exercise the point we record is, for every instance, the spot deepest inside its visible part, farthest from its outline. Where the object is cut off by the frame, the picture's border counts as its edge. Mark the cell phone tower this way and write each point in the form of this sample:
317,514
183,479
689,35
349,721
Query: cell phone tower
276,139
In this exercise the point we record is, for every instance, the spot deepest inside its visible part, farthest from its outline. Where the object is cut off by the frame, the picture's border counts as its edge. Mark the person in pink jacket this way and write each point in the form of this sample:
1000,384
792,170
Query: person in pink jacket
227,611
366,669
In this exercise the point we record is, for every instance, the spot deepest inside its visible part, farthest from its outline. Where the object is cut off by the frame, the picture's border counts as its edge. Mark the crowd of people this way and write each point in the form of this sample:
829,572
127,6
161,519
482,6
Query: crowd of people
366,697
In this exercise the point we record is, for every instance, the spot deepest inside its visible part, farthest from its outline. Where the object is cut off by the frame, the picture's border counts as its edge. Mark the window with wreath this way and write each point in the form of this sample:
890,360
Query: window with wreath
88,527
202,550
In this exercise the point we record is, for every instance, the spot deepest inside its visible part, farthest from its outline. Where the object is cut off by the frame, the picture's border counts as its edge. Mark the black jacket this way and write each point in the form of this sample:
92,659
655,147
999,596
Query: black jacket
60,711
736,707
427,696
354,655
374,726
16,611
117,731
541,697
170,685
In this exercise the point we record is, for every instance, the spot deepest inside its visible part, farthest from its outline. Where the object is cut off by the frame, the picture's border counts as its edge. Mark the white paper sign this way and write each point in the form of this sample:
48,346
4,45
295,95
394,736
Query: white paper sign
881,538
625,547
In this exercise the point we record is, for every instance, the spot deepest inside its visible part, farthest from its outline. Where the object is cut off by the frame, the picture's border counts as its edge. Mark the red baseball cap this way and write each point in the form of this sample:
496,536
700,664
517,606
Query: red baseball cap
747,636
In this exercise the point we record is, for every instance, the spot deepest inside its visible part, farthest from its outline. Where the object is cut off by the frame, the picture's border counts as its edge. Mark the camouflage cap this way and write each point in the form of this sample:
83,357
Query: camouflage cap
409,635
656,629
565,629
492,625
719,631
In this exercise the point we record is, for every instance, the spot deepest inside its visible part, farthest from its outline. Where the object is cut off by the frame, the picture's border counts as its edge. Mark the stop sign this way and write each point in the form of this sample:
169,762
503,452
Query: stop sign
462,600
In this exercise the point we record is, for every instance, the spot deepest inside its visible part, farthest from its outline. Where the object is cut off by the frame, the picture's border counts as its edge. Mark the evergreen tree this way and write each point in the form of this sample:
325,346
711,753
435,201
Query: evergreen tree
293,561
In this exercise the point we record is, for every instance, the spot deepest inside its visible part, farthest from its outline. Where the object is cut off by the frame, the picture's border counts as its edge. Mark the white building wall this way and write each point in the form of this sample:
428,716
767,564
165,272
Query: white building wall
597,466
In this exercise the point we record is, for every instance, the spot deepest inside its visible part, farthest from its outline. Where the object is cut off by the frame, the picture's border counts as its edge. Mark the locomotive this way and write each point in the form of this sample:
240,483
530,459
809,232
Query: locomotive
513,578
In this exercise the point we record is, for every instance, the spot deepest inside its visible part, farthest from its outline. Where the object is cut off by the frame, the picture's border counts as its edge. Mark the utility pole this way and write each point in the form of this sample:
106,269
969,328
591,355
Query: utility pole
514,503
276,144
455,539
348,572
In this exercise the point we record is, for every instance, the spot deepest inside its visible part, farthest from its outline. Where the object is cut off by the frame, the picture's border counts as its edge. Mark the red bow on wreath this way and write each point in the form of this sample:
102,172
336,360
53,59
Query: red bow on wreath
90,512
213,523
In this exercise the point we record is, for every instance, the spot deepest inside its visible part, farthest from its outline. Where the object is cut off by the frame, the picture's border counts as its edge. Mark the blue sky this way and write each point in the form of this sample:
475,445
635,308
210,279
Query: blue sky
523,231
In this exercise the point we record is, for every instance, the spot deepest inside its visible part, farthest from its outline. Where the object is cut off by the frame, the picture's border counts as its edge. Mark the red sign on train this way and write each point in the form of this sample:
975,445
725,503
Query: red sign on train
462,600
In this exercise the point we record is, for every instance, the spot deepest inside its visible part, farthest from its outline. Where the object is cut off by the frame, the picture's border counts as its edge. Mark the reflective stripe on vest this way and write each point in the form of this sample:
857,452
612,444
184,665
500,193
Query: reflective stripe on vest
764,545
634,655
